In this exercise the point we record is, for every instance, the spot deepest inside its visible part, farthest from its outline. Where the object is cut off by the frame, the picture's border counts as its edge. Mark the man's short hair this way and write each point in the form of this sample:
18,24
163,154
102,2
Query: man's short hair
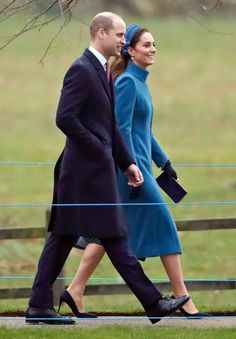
102,20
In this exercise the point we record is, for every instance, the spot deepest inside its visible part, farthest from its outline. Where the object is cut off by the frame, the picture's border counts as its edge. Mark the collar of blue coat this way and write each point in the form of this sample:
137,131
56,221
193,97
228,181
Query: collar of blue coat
137,71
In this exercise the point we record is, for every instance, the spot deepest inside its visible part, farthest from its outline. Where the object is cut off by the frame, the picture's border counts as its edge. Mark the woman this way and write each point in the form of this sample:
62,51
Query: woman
152,228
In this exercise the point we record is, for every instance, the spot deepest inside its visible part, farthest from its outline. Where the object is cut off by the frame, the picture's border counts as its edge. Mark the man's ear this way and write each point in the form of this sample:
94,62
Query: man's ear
101,33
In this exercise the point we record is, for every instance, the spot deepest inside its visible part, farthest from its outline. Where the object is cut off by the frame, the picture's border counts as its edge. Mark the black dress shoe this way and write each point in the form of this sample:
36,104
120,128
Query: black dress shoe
48,316
67,298
165,306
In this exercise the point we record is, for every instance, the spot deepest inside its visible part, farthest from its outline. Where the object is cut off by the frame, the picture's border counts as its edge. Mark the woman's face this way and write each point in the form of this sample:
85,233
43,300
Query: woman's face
144,51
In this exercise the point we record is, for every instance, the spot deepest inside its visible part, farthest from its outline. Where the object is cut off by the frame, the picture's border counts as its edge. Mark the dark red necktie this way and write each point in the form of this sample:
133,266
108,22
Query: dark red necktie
108,71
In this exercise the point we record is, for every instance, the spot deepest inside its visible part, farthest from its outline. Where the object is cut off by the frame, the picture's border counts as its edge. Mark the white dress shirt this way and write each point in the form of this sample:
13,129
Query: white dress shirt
99,56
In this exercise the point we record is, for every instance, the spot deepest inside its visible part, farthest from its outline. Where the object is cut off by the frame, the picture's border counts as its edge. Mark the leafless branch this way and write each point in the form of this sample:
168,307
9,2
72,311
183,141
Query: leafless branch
15,10
64,10
31,24
41,61
23,6
6,8
37,21
218,3
200,22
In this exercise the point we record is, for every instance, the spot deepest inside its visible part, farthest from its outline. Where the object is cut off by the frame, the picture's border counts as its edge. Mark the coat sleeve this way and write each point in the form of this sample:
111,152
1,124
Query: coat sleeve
74,96
125,101
158,155
123,157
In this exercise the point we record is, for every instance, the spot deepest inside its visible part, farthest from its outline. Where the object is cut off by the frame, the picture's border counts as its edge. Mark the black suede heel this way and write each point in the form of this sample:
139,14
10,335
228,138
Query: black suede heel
197,315
67,298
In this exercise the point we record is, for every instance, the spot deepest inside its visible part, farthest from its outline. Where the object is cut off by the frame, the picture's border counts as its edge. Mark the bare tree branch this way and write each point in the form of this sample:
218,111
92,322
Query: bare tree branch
65,4
218,3
28,26
15,10
23,6
41,61
4,9
198,21
37,21
64,10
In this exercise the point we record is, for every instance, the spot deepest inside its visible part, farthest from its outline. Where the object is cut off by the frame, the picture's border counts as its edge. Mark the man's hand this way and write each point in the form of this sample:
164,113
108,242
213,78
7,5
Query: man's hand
134,175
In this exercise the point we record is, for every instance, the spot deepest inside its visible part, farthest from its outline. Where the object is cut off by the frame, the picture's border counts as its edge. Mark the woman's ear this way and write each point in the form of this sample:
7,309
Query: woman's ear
131,53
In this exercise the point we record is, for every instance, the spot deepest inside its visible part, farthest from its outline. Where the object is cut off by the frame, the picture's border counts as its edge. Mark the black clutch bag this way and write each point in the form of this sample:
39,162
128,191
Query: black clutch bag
171,186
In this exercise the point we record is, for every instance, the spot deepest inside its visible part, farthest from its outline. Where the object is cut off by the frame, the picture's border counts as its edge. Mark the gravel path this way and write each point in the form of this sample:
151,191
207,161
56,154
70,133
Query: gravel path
217,322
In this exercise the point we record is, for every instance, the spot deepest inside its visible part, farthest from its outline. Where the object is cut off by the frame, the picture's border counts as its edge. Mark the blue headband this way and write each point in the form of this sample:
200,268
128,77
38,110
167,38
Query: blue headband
131,30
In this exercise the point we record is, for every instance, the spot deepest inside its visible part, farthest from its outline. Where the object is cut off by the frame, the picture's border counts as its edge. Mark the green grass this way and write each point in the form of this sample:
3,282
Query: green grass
192,84
121,332
193,88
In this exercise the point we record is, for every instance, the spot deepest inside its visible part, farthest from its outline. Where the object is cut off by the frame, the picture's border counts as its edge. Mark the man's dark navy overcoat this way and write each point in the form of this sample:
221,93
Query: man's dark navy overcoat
85,172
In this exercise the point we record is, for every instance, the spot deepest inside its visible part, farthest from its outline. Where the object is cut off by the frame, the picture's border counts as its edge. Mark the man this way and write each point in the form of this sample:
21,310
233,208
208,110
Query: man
86,174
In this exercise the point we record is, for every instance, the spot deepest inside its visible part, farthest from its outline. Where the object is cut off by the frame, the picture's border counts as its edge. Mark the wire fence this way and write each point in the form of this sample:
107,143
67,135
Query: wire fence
41,163
117,279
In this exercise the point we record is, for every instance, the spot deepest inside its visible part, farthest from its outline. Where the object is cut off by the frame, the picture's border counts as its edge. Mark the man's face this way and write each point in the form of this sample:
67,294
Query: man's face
115,38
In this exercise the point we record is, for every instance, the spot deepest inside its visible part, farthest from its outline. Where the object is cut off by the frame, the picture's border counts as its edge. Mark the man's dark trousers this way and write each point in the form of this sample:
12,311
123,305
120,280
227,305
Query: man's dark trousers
51,262
55,253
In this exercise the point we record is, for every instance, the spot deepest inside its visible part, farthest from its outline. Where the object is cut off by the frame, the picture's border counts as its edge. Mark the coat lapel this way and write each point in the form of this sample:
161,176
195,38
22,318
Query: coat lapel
100,70
112,90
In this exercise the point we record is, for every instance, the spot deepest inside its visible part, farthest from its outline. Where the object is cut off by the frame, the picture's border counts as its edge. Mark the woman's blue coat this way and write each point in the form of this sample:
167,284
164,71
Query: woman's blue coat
152,229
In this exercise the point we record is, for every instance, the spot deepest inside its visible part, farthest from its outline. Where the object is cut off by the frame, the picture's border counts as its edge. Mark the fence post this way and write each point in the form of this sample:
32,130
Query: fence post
59,285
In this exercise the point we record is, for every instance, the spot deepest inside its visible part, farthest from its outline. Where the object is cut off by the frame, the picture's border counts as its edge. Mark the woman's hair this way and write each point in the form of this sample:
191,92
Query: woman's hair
120,63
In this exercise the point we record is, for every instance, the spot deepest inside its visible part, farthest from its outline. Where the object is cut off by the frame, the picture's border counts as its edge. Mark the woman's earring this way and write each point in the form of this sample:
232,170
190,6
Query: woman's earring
132,57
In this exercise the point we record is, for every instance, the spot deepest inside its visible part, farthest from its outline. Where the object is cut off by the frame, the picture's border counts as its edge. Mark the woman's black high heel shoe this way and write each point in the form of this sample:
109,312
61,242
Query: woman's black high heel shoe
67,298
197,315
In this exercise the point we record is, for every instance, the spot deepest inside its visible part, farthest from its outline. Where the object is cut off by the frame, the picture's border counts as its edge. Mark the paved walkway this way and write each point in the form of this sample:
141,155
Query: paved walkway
217,322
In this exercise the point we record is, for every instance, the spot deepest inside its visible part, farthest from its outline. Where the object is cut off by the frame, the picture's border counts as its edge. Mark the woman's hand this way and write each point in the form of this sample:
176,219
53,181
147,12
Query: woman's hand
169,170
